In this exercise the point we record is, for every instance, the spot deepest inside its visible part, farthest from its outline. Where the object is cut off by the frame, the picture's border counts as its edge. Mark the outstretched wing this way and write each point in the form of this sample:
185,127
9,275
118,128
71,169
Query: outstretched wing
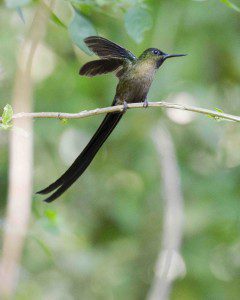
102,66
107,49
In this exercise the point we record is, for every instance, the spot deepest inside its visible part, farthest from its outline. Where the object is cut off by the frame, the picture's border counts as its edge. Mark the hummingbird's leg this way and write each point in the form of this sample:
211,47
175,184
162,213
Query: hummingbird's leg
125,106
145,103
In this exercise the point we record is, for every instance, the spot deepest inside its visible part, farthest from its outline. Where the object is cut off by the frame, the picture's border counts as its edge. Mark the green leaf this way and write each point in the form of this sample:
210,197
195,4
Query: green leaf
219,110
64,121
216,117
54,17
51,215
137,21
7,114
231,5
86,8
56,20
79,29
213,117
16,3
51,221
7,117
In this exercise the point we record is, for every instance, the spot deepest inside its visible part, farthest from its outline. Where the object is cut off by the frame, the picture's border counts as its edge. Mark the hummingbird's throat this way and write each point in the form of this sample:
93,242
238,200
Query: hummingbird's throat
145,68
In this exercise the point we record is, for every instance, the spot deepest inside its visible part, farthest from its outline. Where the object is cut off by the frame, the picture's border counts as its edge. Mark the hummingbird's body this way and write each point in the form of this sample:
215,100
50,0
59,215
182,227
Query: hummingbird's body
135,78
135,82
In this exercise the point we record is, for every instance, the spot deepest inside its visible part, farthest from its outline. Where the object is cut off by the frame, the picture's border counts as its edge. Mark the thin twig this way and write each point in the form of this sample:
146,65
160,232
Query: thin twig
119,108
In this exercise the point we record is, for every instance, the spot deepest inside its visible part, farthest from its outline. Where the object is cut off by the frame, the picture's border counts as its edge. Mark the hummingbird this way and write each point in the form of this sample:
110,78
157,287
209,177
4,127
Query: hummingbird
135,78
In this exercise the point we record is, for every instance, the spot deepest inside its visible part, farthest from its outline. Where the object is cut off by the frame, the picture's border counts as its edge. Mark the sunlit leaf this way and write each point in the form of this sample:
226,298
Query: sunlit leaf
231,5
79,29
51,221
137,21
86,8
56,20
64,121
216,118
7,116
219,110
51,215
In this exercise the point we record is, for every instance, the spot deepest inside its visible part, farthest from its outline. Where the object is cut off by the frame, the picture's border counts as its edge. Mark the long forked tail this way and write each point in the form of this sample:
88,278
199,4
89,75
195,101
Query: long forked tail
84,159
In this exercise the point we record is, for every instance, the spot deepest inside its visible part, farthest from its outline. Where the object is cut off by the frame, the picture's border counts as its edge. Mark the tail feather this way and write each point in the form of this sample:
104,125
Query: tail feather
84,159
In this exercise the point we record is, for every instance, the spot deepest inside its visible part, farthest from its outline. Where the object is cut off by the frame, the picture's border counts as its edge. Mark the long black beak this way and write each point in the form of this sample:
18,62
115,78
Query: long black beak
166,56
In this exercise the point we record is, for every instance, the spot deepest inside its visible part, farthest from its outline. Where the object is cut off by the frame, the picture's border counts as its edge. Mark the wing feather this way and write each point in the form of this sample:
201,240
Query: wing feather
107,49
102,66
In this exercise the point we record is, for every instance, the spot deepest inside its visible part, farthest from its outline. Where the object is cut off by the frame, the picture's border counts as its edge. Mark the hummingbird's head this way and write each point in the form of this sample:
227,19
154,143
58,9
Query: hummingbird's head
157,56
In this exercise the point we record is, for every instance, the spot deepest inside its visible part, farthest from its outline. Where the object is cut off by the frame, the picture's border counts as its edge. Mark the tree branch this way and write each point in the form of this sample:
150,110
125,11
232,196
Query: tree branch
119,108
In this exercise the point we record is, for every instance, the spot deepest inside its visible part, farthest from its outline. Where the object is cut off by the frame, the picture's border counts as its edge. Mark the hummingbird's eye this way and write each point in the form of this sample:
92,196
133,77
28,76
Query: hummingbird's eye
156,52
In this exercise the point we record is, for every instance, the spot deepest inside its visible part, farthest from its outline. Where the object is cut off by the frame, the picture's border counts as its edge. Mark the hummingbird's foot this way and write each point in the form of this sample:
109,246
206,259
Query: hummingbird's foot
125,106
145,104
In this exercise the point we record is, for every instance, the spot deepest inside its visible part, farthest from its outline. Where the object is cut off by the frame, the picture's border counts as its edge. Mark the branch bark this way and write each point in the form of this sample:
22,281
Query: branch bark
119,108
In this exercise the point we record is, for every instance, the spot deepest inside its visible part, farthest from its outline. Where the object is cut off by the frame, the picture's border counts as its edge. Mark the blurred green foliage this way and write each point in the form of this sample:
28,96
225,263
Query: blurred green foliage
231,5
102,238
